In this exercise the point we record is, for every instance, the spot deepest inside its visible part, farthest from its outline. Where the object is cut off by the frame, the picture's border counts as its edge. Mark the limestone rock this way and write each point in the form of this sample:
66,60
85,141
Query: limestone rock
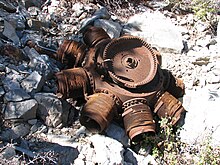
24,110
9,32
202,116
16,95
100,14
107,150
51,110
33,83
156,30
41,63
10,83
112,28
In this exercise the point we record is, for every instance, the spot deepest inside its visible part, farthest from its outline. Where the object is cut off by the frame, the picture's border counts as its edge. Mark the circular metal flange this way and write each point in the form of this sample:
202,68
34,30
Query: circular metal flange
130,61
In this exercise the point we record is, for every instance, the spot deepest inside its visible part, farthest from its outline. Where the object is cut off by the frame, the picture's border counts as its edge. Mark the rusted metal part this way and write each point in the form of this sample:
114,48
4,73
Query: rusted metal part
93,35
98,112
73,83
173,85
168,106
71,53
158,55
119,77
130,61
13,52
138,119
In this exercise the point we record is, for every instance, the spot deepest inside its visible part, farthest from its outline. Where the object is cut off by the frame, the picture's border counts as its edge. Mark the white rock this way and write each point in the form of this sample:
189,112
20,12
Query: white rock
157,30
107,150
202,116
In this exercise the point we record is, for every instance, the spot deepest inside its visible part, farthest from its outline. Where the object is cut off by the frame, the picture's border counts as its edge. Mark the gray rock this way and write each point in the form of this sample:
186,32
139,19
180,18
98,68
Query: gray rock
16,95
38,127
17,20
131,157
2,92
2,66
166,38
32,121
10,84
29,3
41,63
33,83
51,110
116,132
8,153
17,131
112,28
100,14
8,135
10,33
107,150
7,6
65,154
21,129
33,11
24,110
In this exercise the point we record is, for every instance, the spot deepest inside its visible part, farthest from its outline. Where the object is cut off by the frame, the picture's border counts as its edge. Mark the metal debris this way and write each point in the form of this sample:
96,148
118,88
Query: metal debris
119,79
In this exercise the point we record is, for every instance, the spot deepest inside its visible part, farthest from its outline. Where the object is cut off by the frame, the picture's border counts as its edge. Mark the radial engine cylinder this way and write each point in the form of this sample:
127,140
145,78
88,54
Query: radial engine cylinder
138,119
73,83
98,112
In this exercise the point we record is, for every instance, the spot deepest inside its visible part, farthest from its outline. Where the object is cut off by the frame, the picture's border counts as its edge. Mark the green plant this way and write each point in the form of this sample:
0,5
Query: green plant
168,149
204,9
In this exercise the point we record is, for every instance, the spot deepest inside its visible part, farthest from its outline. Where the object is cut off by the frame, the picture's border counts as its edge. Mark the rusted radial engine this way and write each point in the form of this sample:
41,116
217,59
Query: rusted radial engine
119,77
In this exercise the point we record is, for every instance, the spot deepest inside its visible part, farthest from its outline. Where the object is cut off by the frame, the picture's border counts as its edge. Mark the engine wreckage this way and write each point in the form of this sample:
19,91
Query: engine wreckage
120,79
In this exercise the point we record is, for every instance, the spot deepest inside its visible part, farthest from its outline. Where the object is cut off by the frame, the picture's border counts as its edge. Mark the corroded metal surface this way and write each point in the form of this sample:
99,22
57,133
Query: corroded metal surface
73,83
119,78
168,106
173,85
71,53
138,119
98,112
93,35
130,61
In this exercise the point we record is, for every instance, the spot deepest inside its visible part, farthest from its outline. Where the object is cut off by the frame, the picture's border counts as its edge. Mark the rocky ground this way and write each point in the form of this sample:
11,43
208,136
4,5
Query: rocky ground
39,127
